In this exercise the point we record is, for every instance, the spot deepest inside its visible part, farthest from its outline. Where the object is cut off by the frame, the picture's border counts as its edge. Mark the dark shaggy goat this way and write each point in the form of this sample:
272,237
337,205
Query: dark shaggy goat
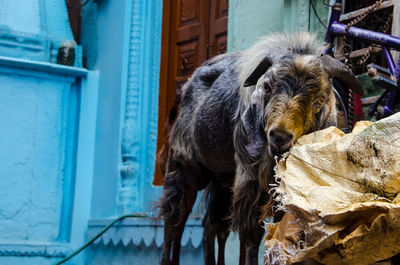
238,111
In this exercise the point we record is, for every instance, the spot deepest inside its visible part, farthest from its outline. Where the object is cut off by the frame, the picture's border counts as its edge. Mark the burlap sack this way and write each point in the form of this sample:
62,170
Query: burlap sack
341,195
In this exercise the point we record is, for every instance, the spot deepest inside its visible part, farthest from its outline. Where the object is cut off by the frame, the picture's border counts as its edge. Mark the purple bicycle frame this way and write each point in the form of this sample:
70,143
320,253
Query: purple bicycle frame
384,40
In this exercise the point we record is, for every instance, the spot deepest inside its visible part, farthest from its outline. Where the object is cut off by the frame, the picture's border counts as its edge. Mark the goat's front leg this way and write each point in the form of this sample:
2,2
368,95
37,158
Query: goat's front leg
249,247
242,255
248,199
216,221
252,246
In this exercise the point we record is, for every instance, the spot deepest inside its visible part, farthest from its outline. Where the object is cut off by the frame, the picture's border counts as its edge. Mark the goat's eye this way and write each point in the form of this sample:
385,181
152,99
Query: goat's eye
267,87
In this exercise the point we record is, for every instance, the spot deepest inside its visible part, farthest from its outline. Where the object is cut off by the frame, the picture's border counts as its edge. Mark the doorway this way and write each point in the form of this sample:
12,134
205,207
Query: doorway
192,32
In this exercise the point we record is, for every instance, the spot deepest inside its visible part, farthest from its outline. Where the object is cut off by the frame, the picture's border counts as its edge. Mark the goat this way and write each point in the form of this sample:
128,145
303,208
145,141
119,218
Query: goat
238,111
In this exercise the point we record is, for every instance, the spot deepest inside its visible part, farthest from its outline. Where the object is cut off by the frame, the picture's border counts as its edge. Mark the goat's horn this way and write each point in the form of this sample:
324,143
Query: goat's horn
337,69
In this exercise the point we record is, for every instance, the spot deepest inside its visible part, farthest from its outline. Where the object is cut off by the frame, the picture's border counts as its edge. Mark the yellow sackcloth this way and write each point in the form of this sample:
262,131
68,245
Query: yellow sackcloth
341,197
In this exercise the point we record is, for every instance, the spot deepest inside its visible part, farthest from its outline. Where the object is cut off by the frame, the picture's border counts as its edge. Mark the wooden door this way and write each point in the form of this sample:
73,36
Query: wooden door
218,28
192,32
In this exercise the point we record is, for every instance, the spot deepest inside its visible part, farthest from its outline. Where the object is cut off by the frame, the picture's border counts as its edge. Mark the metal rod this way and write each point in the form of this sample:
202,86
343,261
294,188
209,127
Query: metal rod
389,107
366,35
389,60
397,71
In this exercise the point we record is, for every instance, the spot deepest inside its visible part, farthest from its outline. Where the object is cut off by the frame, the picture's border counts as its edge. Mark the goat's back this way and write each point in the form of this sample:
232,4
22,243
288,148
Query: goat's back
204,127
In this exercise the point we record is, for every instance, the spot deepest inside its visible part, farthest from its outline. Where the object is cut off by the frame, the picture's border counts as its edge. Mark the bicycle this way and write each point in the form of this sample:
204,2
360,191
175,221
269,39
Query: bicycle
389,101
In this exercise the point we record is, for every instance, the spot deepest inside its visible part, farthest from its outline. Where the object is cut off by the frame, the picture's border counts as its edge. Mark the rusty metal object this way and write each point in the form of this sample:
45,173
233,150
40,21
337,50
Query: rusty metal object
347,49
356,20
356,13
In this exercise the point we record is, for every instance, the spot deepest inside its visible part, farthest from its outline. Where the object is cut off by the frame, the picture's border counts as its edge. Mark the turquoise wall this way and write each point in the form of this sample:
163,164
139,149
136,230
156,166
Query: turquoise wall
46,120
102,40
248,20
251,19
39,116
78,145
35,30
121,40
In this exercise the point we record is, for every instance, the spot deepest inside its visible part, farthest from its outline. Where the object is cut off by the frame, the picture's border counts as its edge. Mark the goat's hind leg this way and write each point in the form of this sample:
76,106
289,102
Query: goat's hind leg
225,195
221,238
216,223
208,241
176,203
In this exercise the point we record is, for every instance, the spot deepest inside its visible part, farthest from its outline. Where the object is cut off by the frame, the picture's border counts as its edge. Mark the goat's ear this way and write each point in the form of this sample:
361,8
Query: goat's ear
261,68
253,122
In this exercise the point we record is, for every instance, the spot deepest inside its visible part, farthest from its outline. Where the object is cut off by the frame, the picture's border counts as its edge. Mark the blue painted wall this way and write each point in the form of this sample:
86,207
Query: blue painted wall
39,116
251,19
46,148
121,39
102,42
35,29
78,145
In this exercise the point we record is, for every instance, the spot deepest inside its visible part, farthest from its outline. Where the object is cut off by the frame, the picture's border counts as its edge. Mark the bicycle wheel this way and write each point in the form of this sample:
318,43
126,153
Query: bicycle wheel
342,106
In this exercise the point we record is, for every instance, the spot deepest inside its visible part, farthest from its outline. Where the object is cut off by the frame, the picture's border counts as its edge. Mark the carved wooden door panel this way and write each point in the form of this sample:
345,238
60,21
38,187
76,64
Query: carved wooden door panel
218,27
192,32
189,39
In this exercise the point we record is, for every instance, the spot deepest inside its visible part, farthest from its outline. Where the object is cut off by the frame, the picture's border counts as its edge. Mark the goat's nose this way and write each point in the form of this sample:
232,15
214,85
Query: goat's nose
280,138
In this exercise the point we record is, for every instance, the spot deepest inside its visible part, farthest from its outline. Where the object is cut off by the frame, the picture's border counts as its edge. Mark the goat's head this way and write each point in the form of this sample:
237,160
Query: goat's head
293,96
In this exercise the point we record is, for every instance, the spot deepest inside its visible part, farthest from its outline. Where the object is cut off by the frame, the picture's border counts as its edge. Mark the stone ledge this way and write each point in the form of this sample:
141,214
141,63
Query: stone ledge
146,230
34,249
50,68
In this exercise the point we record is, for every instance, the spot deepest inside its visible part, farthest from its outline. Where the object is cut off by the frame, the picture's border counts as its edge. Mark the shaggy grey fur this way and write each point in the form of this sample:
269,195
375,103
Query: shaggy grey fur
226,136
